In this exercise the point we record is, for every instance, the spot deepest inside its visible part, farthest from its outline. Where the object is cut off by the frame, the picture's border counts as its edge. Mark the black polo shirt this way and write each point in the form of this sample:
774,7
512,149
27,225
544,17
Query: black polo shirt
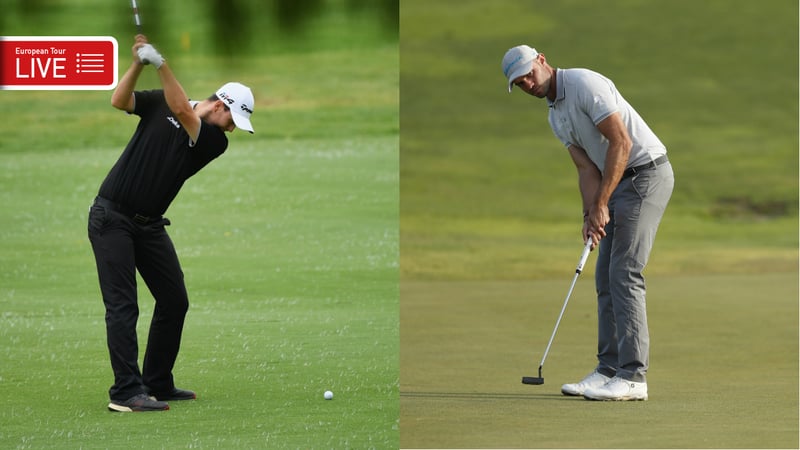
159,157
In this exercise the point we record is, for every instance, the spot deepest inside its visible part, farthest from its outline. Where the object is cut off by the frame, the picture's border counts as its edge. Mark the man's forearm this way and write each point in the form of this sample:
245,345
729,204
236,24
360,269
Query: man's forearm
121,98
589,184
617,153
174,94
178,102
616,160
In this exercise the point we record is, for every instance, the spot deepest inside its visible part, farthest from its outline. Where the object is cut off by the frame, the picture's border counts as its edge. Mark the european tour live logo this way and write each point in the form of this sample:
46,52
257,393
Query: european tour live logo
58,62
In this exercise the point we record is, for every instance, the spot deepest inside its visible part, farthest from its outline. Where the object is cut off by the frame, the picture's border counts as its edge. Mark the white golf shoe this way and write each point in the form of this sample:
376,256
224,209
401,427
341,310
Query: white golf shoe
594,379
617,389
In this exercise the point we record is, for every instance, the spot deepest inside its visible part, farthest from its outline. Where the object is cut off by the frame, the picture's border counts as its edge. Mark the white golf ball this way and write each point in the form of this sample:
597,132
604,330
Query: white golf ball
328,395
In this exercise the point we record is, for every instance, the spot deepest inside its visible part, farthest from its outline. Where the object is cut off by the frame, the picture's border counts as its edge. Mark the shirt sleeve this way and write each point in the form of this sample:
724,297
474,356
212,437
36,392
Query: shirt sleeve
147,101
598,97
211,141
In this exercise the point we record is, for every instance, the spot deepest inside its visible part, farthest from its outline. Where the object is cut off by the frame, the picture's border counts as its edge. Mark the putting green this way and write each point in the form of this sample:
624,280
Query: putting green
489,201
723,368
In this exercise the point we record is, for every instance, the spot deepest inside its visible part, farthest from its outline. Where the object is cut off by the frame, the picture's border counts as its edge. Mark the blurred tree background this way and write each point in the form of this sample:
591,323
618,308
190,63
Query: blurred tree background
213,27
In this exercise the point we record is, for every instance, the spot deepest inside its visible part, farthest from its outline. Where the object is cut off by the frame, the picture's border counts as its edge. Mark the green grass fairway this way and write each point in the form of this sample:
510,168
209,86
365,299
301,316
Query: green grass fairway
723,366
290,254
289,248
288,242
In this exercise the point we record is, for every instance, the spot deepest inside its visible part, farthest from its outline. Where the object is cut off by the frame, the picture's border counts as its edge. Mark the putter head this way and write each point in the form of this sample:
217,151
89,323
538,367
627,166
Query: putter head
532,380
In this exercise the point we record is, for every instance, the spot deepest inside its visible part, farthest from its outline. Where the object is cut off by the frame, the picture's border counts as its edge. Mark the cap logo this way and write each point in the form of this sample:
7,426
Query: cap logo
245,108
511,64
225,97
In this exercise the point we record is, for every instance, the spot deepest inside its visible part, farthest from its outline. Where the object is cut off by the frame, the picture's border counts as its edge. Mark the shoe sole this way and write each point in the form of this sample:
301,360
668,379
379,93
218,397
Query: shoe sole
572,394
618,399
169,399
575,393
120,408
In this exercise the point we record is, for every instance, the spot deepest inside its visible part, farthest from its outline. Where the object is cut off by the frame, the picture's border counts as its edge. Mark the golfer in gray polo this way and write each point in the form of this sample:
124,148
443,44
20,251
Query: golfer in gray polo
625,181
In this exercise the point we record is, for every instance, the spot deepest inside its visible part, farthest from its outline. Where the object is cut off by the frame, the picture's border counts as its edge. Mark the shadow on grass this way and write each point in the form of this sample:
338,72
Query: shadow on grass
485,396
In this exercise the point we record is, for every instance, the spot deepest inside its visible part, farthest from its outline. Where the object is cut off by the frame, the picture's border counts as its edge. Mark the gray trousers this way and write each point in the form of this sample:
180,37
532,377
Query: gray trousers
635,208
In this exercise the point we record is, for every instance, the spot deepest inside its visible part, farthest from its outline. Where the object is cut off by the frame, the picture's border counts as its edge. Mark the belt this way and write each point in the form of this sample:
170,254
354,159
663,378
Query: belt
651,165
125,211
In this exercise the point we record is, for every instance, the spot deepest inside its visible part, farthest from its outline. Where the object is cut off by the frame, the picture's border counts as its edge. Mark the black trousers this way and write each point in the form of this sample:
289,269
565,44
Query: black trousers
121,246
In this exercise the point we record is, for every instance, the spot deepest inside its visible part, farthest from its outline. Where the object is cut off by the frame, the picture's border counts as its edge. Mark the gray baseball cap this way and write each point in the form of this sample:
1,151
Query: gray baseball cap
517,62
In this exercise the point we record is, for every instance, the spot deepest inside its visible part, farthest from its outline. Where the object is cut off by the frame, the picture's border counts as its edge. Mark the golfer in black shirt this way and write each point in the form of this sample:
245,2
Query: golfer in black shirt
175,138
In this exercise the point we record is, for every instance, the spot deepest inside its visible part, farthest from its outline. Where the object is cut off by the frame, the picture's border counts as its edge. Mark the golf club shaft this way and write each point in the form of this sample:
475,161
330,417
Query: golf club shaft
136,17
578,270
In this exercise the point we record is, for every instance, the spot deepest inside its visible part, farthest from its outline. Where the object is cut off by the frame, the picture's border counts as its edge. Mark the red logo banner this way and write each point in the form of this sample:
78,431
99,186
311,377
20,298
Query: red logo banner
58,62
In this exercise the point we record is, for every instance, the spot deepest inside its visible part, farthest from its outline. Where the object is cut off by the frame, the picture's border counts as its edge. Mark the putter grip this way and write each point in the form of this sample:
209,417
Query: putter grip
584,255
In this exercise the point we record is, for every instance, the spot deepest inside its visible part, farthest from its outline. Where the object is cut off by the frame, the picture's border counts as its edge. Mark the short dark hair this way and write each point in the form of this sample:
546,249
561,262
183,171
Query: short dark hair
213,98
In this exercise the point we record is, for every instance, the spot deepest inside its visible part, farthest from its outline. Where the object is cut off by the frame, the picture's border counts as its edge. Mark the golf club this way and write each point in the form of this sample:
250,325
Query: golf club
136,17
578,270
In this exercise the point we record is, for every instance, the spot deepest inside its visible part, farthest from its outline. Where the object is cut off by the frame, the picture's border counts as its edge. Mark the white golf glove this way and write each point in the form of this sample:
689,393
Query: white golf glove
149,55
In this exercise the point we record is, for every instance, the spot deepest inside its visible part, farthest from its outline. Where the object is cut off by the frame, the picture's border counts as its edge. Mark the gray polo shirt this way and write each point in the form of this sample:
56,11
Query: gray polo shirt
583,99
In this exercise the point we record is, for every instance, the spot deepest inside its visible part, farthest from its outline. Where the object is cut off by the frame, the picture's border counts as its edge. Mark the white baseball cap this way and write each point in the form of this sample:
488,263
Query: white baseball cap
239,99
517,62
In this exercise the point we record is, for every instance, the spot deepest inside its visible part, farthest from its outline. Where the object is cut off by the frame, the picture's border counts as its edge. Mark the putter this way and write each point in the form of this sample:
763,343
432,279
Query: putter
136,17
578,270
